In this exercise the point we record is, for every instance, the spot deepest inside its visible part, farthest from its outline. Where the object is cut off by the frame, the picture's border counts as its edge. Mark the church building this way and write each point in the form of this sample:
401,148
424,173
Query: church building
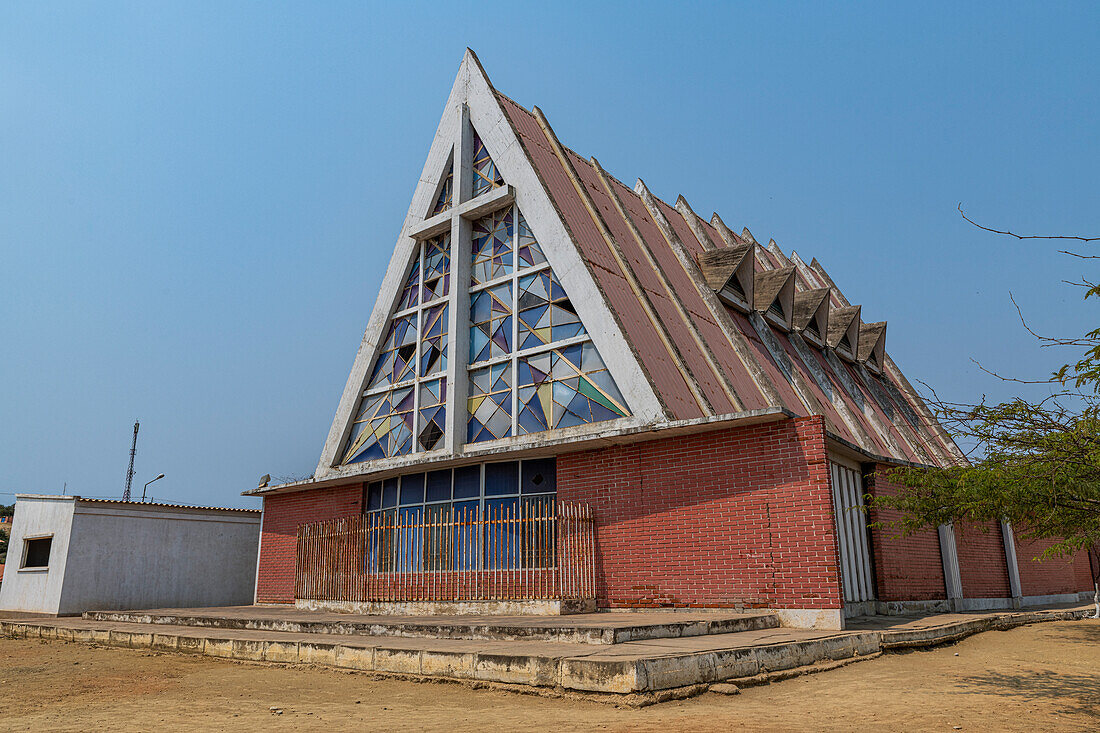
572,394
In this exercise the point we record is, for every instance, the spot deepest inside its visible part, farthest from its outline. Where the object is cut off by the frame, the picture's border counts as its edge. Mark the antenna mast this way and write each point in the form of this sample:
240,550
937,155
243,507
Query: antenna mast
130,470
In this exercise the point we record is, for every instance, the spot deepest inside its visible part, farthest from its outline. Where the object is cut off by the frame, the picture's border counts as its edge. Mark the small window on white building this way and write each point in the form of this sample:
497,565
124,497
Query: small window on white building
36,552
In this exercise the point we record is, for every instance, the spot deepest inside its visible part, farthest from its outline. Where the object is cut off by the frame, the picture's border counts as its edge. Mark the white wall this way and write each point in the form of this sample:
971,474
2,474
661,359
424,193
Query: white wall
37,590
120,556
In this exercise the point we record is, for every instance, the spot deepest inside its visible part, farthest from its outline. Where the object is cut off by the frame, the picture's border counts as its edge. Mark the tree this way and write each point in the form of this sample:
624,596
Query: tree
1034,463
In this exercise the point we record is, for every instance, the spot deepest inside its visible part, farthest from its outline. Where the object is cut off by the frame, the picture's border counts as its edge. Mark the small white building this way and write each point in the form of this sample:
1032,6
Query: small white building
68,555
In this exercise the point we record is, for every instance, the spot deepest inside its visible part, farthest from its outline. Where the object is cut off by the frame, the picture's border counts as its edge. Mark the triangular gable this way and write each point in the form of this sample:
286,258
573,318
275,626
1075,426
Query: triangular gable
844,330
774,295
872,345
729,273
569,366
811,315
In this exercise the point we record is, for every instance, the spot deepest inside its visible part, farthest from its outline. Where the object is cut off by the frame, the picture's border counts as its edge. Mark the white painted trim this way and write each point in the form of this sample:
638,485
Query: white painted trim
396,274
950,557
259,553
472,97
595,435
1010,559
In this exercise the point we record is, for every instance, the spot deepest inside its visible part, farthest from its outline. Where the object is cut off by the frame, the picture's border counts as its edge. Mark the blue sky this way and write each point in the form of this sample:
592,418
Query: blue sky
197,200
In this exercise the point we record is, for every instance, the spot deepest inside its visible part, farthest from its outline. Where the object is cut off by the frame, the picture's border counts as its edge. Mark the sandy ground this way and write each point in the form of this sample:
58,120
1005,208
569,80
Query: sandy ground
1035,678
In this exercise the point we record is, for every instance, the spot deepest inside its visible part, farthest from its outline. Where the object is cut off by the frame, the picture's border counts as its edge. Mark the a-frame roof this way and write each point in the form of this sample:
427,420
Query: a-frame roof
647,279
736,359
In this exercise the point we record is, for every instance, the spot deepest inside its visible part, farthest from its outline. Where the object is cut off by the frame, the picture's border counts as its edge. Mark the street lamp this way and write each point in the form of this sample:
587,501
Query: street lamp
143,488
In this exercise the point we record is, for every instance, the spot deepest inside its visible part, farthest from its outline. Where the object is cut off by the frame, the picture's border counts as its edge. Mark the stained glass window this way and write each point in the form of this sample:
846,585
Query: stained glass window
411,290
491,323
554,386
546,315
395,361
492,246
490,403
486,175
433,341
382,427
433,413
443,201
410,365
528,249
565,387
437,265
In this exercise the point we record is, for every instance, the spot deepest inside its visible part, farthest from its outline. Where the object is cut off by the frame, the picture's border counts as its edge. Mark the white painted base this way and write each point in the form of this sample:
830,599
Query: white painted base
450,608
1085,595
901,608
831,619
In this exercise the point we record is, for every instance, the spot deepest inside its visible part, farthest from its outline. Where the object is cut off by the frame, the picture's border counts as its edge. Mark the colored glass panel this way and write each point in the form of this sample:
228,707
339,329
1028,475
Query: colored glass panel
491,323
546,314
433,413
528,251
383,426
565,387
395,361
443,201
437,266
486,175
433,345
409,294
492,246
490,403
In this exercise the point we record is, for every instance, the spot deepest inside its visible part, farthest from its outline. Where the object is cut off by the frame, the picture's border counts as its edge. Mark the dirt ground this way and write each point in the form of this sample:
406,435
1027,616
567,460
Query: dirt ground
1036,678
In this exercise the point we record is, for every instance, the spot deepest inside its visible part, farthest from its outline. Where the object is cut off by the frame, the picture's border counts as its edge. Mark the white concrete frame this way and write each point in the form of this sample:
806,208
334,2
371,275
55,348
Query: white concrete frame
473,102
846,483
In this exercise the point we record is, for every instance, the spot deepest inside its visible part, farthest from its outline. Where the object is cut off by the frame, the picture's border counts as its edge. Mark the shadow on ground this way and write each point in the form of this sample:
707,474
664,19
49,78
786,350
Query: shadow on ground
1078,693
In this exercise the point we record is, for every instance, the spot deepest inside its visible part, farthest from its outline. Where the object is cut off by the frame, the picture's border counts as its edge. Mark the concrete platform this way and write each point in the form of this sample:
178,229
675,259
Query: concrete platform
587,628
630,672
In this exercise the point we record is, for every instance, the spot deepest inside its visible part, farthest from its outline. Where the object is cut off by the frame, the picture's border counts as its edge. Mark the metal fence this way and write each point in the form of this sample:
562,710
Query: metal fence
534,550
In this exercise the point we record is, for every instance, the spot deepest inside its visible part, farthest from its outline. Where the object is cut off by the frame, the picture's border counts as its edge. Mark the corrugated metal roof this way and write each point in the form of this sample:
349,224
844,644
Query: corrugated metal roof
694,348
138,504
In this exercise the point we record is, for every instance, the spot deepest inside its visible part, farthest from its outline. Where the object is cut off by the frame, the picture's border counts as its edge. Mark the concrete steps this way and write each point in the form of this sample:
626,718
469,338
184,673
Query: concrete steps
613,668
625,668
601,628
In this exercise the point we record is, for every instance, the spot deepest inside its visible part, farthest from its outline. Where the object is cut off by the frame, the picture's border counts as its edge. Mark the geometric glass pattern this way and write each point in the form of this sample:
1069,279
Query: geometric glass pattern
490,403
491,323
529,251
410,364
443,202
492,246
545,314
437,263
397,354
382,427
433,413
412,287
566,387
486,175
433,341
553,386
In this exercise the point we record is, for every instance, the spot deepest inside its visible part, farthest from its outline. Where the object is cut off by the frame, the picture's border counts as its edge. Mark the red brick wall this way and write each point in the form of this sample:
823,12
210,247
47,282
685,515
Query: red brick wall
1051,576
906,568
739,517
1083,570
982,564
279,536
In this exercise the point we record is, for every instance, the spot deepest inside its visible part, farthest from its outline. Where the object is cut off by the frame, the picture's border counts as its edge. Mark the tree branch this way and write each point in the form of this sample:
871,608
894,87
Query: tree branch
1029,236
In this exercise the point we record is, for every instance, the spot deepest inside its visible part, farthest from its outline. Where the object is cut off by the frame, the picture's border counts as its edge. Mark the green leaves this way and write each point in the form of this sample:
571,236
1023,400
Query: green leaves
1037,462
